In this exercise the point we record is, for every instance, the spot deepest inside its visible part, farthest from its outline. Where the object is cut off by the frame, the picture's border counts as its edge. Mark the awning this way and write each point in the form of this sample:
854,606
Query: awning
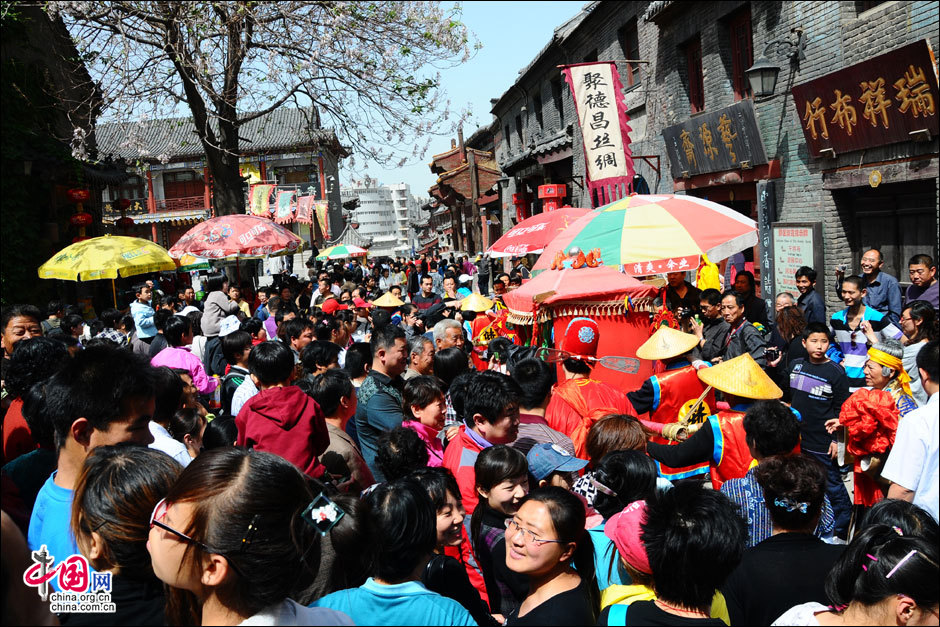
176,218
486,199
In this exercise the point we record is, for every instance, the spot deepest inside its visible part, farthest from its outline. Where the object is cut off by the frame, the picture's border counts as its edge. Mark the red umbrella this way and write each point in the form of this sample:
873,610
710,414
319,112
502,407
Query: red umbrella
532,234
239,236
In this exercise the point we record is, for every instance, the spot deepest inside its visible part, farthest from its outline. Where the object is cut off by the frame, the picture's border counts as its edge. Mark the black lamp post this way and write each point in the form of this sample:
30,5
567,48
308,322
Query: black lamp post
763,74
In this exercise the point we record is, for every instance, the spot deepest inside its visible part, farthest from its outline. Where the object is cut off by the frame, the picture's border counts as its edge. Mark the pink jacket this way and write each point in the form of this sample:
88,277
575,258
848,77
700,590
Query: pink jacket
431,441
173,357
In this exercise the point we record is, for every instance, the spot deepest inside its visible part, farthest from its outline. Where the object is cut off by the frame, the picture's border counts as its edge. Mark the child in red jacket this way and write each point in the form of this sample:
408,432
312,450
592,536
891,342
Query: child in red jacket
281,419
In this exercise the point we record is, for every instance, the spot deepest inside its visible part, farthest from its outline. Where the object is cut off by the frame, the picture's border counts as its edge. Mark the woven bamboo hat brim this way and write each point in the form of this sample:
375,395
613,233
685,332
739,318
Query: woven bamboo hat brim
742,377
665,343
476,302
387,300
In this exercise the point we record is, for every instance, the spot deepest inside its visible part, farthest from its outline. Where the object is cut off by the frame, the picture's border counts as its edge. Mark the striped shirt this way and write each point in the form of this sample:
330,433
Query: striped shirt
854,344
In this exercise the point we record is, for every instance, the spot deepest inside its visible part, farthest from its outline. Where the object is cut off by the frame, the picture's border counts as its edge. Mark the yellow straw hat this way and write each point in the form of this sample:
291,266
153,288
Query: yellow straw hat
742,377
476,302
666,343
387,300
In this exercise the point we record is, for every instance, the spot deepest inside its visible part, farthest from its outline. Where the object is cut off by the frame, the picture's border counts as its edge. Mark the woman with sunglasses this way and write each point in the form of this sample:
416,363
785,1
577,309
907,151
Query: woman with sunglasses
115,492
233,550
546,541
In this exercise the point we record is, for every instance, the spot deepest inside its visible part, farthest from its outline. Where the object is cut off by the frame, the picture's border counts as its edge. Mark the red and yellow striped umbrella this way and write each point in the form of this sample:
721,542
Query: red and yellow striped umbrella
656,234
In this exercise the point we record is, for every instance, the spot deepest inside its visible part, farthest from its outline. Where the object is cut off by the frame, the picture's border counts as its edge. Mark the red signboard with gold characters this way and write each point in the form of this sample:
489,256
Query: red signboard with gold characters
888,99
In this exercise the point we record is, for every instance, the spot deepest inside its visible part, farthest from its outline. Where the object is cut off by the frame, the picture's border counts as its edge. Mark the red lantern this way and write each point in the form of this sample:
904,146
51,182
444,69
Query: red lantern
125,222
79,195
81,219
124,204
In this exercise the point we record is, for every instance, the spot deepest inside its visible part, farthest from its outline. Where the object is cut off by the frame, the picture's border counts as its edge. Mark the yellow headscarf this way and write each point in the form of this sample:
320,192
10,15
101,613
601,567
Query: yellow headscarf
890,361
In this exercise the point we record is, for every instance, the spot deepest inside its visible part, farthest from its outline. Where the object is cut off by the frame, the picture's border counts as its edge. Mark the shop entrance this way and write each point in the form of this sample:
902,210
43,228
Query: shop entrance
899,219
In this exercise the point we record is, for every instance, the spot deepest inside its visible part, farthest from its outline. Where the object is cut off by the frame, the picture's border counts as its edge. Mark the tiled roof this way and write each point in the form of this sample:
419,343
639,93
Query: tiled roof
283,129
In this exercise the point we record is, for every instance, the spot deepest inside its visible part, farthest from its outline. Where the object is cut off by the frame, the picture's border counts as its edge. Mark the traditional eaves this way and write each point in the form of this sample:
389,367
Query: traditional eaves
281,130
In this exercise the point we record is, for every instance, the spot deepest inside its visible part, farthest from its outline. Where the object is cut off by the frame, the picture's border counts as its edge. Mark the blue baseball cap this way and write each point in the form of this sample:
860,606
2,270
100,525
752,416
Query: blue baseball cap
544,459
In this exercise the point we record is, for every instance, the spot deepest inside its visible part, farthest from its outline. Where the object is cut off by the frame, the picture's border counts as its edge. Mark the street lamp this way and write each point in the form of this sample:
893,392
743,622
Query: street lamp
763,74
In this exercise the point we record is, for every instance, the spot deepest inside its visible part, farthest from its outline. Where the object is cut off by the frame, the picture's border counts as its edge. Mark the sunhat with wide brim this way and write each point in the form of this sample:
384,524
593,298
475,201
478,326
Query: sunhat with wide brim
476,302
665,343
387,300
742,377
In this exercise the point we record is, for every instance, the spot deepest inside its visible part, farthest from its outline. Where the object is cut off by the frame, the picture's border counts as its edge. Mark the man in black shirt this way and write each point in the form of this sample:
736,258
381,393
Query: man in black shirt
814,309
681,294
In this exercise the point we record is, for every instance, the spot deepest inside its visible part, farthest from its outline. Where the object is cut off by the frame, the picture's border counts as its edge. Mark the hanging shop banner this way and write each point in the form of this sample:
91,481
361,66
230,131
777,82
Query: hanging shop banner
596,89
305,209
322,207
286,205
715,141
887,99
260,200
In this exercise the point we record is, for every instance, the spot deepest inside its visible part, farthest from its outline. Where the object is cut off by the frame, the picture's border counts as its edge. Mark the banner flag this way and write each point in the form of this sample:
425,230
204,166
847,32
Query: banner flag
322,210
260,200
602,115
286,204
305,209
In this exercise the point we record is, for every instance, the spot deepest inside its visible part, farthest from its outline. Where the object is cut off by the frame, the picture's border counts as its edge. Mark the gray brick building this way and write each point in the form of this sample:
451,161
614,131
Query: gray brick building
538,140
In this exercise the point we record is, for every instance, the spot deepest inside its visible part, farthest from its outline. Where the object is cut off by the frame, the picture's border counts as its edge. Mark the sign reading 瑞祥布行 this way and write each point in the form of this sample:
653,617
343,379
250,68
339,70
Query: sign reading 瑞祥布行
888,99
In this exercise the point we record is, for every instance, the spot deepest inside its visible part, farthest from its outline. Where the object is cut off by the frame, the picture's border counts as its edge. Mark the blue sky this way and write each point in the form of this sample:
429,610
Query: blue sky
512,33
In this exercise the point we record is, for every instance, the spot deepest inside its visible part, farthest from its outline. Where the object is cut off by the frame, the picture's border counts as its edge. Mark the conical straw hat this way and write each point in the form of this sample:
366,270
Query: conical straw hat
742,377
476,302
387,300
666,343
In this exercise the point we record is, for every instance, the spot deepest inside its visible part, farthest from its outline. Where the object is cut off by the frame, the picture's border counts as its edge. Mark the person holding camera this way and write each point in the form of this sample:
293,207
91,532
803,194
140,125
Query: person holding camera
681,296
742,337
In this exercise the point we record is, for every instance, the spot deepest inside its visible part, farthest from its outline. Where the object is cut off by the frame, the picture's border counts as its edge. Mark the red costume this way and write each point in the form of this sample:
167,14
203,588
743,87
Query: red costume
671,390
577,404
731,458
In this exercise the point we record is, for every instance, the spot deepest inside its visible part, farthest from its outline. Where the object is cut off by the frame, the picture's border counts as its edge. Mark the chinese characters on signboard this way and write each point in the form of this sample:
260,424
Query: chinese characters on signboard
795,245
596,90
884,100
726,139
662,266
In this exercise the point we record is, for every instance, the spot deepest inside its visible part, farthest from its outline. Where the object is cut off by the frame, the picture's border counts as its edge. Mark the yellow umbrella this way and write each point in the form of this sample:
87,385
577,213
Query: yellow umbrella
106,257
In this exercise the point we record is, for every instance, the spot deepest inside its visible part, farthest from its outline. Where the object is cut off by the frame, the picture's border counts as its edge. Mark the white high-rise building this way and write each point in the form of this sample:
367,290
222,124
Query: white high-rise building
375,216
386,214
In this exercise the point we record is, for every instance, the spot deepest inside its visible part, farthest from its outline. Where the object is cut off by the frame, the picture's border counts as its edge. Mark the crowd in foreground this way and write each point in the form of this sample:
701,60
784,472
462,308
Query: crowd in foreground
349,450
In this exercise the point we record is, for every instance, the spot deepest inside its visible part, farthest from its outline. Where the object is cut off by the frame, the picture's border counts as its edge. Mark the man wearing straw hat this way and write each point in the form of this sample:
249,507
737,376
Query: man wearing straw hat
676,392
722,441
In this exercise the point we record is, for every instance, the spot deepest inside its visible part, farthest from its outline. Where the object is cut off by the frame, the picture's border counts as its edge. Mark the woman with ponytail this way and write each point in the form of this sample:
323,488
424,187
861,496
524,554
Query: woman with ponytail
234,551
547,542
883,578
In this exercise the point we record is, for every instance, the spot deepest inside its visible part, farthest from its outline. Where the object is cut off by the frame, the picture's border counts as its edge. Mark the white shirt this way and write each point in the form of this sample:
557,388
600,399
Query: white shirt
804,614
242,394
913,462
163,441
289,612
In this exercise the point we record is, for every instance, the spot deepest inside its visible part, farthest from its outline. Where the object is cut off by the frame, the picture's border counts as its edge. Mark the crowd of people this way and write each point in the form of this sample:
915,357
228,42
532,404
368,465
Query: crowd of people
349,448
